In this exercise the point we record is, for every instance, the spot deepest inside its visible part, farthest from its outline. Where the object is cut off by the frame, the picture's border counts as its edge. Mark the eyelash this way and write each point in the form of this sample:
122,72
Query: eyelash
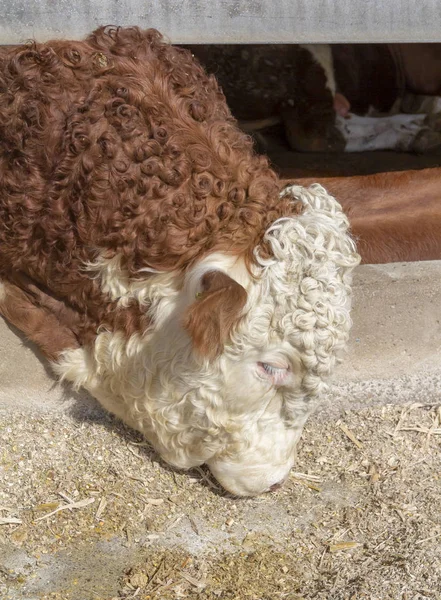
277,374
270,369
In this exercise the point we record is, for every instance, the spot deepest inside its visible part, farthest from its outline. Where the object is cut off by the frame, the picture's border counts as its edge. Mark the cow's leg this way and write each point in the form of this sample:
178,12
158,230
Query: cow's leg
30,311
397,132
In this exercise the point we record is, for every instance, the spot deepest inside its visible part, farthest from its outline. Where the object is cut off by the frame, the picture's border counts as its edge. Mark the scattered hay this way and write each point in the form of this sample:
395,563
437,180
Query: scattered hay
69,506
355,522
263,573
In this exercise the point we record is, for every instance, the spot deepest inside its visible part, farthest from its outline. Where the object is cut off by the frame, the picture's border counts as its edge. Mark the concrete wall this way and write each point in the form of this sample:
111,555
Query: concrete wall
241,21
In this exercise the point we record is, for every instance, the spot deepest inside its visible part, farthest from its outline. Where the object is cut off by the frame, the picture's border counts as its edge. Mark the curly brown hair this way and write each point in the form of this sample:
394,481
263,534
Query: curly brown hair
121,144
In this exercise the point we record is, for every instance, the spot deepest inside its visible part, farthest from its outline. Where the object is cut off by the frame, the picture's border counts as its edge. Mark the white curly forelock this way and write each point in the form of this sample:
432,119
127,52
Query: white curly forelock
303,291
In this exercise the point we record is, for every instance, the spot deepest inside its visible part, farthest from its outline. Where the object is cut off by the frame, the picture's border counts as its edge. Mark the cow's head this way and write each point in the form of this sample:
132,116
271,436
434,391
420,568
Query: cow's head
239,360
232,362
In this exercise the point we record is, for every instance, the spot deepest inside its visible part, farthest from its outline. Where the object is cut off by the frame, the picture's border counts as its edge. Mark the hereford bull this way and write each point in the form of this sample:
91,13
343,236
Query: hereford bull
155,259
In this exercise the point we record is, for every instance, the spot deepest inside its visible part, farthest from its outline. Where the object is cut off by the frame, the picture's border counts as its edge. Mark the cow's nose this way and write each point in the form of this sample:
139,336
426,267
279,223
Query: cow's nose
276,486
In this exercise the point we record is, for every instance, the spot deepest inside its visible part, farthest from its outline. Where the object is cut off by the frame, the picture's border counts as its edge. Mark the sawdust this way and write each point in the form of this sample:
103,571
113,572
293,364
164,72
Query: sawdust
358,520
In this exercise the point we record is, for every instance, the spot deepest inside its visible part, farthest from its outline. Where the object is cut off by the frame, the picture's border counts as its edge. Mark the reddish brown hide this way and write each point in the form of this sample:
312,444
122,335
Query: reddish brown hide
395,216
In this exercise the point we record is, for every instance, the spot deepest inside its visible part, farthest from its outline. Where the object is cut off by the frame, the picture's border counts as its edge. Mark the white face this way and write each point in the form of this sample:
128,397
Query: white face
260,398
243,413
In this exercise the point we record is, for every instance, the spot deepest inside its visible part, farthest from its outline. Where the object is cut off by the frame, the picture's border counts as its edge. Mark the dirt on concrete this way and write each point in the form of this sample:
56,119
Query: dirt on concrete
87,511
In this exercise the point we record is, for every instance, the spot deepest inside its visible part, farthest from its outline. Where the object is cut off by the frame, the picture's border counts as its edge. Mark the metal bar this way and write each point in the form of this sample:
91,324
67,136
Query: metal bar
229,21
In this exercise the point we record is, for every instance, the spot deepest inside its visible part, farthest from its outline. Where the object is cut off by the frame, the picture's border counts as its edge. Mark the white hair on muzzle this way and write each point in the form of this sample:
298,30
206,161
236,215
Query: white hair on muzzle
241,412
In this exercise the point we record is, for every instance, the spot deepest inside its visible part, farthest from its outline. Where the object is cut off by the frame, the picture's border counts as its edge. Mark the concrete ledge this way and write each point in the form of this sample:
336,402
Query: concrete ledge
229,21
394,354
397,321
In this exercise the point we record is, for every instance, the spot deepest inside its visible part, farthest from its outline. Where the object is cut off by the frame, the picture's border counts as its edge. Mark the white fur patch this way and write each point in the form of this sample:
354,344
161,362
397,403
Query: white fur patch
156,292
73,366
396,132
307,283
115,280
322,54
226,412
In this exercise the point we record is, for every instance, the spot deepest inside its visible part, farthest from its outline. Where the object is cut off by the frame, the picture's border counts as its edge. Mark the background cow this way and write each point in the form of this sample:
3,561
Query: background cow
394,217
333,97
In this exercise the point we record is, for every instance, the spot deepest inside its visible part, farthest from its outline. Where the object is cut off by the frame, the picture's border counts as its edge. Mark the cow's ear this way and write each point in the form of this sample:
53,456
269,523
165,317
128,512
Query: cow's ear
216,309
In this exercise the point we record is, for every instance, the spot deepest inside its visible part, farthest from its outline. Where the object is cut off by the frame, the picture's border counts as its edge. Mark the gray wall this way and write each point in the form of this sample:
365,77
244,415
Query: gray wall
229,20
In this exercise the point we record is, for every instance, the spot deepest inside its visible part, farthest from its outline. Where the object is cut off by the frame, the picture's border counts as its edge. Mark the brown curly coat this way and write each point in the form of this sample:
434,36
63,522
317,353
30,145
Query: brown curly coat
120,144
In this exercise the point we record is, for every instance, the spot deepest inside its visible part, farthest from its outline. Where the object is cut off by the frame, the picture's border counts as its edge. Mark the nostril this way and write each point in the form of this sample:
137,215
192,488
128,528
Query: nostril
276,486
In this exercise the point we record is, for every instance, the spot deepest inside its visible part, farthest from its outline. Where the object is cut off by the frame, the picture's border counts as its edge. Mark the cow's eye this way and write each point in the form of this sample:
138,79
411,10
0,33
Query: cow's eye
276,373
271,369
